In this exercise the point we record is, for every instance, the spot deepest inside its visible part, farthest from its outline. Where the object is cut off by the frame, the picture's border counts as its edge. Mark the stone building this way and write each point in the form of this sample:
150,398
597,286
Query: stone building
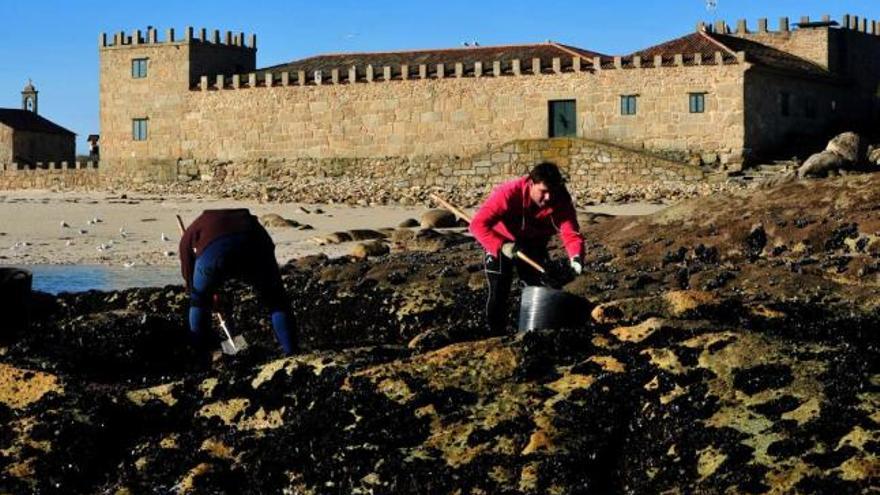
720,96
27,138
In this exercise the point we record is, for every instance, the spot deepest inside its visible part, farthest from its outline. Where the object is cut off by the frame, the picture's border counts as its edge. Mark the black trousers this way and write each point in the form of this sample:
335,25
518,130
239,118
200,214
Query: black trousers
499,274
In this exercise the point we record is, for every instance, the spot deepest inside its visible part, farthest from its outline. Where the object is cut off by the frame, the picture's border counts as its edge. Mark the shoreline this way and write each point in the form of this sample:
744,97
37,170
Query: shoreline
130,229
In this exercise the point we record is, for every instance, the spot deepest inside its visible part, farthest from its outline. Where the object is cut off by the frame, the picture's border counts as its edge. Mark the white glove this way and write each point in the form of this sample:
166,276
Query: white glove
509,249
577,265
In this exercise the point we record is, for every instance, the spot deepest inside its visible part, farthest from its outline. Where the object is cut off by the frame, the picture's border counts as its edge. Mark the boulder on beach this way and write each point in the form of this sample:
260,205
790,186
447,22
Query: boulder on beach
276,220
438,219
364,250
365,234
409,223
821,164
874,154
847,145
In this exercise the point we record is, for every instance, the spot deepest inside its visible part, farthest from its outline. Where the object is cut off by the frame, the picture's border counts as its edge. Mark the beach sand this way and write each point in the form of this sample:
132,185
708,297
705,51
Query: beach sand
31,230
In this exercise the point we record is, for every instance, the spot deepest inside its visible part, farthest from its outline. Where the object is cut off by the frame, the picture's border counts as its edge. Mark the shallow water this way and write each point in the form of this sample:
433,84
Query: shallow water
77,278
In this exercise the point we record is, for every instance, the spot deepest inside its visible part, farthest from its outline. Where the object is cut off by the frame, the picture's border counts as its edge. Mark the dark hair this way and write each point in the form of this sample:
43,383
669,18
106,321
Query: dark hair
547,173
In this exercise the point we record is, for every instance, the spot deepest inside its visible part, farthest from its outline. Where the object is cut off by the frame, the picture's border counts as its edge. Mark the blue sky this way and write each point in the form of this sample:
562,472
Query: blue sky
54,42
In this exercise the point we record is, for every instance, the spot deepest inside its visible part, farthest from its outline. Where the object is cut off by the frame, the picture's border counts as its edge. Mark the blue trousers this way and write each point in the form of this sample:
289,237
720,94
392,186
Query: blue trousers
241,257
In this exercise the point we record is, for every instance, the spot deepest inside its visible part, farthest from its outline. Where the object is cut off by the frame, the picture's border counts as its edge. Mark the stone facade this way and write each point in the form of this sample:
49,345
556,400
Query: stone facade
162,97
584,161
6,144
45,147
462,116
78,175
206,103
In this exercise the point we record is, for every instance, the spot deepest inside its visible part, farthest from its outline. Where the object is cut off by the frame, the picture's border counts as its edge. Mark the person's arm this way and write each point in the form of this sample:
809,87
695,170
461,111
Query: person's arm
569,230
493,209
187,258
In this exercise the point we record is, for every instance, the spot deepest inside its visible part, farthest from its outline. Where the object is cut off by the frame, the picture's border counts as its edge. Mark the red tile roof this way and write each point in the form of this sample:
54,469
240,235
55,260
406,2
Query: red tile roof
707,44
449,57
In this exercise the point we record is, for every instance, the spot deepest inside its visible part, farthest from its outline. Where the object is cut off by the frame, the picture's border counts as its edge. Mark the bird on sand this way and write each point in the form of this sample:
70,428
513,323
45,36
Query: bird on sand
164,237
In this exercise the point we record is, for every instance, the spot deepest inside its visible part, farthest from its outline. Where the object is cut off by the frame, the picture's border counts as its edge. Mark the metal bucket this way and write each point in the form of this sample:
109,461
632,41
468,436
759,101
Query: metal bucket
546,308
15,300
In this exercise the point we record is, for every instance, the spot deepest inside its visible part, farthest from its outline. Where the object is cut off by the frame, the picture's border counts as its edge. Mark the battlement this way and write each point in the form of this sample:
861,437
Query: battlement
190,36
498,68
57,166
784,26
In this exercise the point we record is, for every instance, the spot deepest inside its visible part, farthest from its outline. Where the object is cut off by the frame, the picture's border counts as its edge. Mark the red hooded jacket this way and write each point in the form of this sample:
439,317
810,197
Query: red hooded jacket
509,215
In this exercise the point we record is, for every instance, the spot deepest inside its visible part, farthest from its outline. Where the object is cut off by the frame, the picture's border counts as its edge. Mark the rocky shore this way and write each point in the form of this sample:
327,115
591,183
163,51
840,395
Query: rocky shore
732,348
372,191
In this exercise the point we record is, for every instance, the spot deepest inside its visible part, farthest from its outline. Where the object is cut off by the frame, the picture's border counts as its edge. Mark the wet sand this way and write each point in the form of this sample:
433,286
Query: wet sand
130,230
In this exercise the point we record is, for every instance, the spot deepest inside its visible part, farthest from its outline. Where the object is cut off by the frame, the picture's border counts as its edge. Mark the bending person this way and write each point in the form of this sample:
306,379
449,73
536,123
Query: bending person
522,215
231,244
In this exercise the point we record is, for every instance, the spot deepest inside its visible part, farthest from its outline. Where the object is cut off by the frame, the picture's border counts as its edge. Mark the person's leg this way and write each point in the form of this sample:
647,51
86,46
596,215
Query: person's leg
266,279
203,288
499,273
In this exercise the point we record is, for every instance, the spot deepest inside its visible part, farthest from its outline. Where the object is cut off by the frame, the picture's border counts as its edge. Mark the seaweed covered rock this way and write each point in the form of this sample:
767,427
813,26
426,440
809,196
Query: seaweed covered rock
722,358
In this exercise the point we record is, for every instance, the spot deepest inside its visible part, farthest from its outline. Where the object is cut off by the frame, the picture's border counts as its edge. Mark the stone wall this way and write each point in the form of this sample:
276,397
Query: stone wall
808,43
857,53
588,164
159,97
79,175
767,127
44,147
6,144
463,116
162,96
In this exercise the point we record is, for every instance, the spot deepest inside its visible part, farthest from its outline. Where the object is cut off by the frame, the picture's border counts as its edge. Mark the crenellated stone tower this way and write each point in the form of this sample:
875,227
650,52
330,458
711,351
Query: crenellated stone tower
144,83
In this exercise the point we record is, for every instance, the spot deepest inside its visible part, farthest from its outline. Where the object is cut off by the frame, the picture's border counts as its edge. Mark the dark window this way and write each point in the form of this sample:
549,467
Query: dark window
139,129
697,102
784,104
139,68
628,104
562,118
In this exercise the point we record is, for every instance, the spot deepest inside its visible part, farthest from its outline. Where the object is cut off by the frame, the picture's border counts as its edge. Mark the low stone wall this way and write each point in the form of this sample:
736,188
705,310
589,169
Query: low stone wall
594,169
79,176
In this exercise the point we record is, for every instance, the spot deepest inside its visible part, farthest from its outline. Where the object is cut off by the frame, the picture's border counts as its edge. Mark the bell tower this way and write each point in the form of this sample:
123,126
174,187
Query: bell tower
29,97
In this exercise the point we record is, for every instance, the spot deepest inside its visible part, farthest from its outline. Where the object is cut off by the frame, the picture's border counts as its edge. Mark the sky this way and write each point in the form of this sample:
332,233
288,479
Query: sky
55,42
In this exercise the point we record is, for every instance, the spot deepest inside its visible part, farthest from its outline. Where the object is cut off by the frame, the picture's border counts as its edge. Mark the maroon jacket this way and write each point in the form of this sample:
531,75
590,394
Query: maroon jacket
509,215
212,224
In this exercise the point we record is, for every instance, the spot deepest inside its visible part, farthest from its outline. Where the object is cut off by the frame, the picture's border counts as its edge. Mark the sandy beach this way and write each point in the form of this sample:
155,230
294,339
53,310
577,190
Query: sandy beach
44,227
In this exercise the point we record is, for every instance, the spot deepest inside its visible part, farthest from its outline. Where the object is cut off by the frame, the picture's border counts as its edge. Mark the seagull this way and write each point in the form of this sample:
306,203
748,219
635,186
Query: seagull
83,231
96,220
164,237
89,222
168,253
100,248
68,243
64,224
128,264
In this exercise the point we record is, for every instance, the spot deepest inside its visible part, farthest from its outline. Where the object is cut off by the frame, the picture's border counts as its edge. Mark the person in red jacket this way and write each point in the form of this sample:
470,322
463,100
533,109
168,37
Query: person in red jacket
522,215
224,244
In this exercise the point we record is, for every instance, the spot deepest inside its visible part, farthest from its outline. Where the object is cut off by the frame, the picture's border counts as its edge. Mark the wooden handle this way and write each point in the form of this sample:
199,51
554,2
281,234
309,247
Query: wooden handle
534,264
464,216
460,214
180,224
